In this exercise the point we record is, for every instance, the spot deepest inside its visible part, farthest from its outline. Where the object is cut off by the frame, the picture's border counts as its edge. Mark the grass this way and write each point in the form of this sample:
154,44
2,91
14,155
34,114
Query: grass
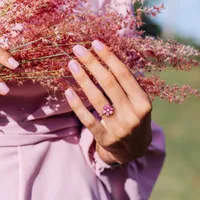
180,177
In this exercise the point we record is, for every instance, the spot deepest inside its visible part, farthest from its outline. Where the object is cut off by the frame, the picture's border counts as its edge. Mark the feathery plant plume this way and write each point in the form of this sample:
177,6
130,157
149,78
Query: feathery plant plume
41,34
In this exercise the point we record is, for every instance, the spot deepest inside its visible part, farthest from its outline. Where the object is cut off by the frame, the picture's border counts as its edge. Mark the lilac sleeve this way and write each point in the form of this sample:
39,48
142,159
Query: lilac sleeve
149,166
134,180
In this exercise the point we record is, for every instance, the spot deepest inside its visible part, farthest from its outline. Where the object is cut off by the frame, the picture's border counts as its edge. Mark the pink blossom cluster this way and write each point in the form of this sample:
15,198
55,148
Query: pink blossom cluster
41,34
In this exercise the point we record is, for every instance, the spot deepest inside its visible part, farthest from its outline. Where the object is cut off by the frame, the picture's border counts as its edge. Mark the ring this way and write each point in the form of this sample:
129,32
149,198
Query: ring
107,110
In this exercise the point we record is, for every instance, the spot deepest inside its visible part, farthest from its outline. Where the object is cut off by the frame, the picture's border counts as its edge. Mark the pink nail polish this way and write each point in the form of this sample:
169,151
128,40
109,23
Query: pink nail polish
13,63
74,66
69,95
79,50
4,88
97,45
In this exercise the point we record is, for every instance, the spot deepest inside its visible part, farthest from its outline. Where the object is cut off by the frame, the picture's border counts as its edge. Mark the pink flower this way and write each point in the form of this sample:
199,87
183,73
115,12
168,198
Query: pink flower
41,35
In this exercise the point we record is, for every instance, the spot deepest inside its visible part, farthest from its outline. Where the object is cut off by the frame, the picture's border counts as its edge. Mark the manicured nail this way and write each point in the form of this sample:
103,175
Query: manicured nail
69,95
97,45
79,50
4,88
13,63
74,66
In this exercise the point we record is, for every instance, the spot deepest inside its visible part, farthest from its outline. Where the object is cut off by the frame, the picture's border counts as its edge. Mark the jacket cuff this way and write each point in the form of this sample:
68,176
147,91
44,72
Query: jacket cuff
87,144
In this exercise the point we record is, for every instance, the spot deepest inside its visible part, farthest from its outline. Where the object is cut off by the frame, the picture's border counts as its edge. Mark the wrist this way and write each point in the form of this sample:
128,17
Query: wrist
105,156
101,165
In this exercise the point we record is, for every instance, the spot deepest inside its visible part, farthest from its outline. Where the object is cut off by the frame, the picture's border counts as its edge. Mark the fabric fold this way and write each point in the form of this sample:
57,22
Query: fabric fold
30,139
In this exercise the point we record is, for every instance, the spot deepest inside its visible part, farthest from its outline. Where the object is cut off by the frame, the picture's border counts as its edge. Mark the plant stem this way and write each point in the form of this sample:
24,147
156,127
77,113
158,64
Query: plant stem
44,57
60,45
26,44
7,78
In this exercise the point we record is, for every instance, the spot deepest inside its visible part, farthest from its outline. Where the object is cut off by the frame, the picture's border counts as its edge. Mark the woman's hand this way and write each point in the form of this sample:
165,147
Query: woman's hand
8,61
126,134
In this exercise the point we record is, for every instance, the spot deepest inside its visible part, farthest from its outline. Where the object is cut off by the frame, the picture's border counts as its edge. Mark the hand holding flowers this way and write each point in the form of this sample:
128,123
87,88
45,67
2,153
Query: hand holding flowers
126,134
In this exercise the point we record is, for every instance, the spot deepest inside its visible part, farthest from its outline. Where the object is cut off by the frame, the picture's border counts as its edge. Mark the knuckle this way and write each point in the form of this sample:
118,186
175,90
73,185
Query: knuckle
147,107
108,81
91,123
3,53
76,105
107,56
136,123
89,59
130,128
121,132
82,78
146,97
97,98
132,123
123,72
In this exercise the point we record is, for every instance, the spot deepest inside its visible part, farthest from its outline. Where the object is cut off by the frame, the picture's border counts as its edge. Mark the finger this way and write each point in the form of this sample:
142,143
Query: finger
95,96
84,115
7,60
105,78
3,88
121,72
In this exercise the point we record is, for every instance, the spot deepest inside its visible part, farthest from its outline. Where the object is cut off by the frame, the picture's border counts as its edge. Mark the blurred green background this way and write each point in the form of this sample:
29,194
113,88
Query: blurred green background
180,176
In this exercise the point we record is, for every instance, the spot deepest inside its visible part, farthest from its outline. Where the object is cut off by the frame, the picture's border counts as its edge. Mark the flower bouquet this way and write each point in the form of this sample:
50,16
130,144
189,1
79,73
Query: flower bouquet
41,33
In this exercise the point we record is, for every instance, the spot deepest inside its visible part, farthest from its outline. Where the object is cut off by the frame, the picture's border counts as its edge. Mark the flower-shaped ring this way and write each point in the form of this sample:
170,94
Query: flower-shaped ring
107,110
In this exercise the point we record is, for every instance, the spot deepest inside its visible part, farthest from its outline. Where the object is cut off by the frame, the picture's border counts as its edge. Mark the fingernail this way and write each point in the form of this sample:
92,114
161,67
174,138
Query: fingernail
97,45
79,50
13,63
74,66
69,95
4,88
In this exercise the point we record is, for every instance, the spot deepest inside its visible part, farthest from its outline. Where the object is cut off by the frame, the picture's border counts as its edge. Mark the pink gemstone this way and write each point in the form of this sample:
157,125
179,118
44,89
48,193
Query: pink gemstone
108,110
